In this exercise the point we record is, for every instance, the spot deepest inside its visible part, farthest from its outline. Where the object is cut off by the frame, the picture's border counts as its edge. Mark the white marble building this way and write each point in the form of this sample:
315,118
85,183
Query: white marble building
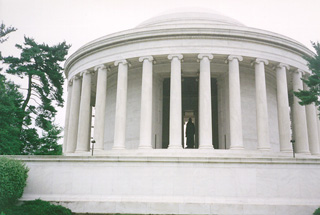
235,81
132,91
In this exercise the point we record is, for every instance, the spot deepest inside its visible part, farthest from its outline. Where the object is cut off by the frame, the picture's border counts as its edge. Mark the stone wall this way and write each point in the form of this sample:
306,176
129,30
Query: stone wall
177,182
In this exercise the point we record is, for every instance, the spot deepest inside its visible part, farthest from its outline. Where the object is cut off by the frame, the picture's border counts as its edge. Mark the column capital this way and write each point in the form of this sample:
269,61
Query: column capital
124,62
300,71
70,82
149,58
232,57
203,55
281,65
87,72
100,67
260,60
76,77
171,56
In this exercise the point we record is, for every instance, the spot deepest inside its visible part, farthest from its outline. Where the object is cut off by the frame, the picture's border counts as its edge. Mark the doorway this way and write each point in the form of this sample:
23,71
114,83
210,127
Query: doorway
190,96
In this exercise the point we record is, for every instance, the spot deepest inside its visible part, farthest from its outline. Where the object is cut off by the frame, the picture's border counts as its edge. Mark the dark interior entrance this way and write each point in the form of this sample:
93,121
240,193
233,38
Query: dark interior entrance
190,92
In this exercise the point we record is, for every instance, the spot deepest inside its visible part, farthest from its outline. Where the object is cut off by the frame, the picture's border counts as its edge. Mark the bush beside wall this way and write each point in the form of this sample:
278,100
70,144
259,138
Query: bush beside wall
13,178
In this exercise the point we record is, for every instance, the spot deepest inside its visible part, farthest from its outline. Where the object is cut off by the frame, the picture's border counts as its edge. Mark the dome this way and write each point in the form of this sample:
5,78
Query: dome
190,16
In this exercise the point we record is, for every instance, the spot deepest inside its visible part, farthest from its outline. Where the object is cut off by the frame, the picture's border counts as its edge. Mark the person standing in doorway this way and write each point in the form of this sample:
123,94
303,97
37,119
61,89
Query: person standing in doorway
190,131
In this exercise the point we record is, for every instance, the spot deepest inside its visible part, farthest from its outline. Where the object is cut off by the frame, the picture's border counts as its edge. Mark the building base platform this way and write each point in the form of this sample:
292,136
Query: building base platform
220,182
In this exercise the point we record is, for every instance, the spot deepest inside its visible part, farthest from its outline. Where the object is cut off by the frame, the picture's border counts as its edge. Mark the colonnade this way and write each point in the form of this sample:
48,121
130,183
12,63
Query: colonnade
78,116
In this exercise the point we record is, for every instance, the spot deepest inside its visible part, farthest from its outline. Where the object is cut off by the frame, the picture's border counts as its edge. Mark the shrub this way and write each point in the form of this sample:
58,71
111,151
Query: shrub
317,212
38,207
13,177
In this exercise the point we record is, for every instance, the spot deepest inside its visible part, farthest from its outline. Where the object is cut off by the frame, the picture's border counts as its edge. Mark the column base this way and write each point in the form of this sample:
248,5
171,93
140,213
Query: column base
286,151
81,151
304,153
175,147
264,149
145,147
118,148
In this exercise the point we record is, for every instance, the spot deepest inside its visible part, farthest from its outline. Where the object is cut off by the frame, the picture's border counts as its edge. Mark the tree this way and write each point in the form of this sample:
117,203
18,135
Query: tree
10,116
4,31
39,64
313,81
10,108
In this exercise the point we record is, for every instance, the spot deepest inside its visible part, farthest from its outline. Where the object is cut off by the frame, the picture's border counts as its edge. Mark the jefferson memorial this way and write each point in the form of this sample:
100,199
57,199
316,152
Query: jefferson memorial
130,96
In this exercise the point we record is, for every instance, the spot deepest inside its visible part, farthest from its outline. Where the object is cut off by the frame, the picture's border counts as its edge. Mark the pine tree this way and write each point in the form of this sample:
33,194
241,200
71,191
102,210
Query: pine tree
4,31
313,81
23,118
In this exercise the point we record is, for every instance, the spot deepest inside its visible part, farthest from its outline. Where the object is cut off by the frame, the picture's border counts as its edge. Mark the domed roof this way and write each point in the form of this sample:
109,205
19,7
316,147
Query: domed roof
190,16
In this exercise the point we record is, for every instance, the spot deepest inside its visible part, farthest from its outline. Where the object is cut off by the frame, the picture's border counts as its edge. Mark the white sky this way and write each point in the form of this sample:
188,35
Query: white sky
80,21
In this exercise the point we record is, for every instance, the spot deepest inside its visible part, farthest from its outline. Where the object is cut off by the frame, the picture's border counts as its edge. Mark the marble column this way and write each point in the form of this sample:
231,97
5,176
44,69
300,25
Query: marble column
74,115
283,108
236,141
66,123
312,127
146,103
175,124
121,105
90,127
299,117
84,115
318,124
100,107
261,105
205,118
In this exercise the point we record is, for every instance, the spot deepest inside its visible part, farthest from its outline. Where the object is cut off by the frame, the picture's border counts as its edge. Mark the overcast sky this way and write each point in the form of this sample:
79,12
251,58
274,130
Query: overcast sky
80,21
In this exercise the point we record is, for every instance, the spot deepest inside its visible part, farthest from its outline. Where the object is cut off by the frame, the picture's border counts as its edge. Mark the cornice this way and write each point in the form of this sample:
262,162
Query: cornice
134,158
194,32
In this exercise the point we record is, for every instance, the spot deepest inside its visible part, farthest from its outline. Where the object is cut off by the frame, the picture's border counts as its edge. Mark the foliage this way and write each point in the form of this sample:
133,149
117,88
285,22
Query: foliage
13,177
4,31
317,212
313,81
28,116
38,207
10,116
45,145
39,63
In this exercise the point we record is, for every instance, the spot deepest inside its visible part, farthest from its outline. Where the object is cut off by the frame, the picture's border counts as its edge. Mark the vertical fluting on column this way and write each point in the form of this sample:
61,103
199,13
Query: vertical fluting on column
89,127
283,108
236,141
312,127
261,105
74,115
121,105
67,117
146,103
84,114
205,119
175,128
100,106
299,117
